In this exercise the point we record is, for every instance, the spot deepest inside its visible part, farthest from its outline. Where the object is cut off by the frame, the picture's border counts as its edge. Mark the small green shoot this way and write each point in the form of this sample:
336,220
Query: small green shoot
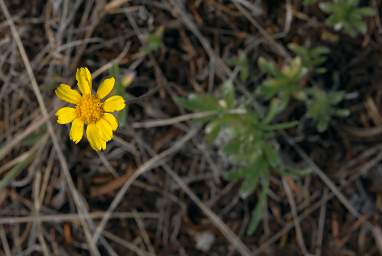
282,83
322,107
346,15
311,57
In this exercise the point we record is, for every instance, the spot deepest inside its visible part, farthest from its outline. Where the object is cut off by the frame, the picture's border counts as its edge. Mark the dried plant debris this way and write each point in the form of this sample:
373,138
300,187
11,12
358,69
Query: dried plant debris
244,127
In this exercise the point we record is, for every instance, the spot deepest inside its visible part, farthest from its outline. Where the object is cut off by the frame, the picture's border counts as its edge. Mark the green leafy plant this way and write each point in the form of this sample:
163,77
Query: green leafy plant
346,15
251,144
311,57
322,107
282,83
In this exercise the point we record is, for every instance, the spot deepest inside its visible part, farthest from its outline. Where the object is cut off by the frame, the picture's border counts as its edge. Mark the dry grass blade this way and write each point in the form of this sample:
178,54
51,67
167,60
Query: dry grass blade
228,234
300,237
58,218
15,141
64,165
4,242
21,165
126,244
155,161
324,178
269,89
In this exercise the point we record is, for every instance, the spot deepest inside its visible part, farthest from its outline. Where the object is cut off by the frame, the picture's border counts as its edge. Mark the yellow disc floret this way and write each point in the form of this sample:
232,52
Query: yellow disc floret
89,109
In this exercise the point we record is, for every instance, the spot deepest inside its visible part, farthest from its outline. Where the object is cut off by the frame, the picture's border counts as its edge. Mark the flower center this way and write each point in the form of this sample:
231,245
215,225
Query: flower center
89,109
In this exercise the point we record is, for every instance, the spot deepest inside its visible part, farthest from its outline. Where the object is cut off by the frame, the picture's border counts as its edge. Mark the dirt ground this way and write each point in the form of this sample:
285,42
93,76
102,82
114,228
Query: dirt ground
160,188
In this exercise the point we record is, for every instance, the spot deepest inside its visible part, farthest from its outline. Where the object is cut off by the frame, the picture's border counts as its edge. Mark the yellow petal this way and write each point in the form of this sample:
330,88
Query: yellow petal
77,130
114,103
65,93
111,120
104,129
65,115
84,80
94,138
105,88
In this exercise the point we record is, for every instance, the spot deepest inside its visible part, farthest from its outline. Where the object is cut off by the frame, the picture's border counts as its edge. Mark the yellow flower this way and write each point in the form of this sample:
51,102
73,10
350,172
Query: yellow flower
89,110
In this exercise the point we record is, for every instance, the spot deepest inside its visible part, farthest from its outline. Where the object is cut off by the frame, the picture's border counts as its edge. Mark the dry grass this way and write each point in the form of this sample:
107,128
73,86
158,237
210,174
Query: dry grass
159,188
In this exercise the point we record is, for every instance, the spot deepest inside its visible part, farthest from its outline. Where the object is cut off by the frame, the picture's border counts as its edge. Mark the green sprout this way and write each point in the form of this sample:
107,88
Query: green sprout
312,57
282,83
346,15
322,107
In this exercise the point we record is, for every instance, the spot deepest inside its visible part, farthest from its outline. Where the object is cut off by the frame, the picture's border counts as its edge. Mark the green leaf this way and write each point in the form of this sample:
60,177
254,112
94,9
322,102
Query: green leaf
294,172
311,57
268,67
250,182
272,155
322,125
280,126
277,106
346,15
235,175
342,112
257,213
282,83
233,147
229,93
213,129
322,107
